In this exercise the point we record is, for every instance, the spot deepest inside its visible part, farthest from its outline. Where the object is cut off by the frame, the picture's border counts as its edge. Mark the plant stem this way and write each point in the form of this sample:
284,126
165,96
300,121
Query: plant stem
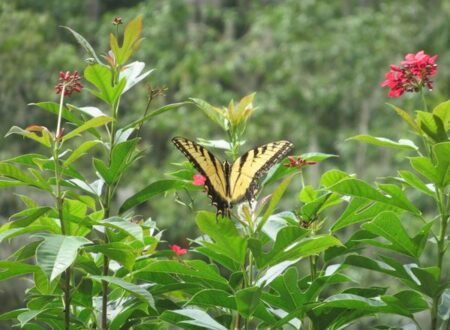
440,199
107,204
59,201
422,95
236,325
105,293
312,267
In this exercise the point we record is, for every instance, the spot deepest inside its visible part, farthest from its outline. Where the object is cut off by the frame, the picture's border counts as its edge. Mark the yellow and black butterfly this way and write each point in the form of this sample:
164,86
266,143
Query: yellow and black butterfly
227,183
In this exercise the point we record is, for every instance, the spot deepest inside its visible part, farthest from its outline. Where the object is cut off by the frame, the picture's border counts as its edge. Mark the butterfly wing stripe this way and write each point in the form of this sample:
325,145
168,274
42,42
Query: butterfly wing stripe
208,166
247,169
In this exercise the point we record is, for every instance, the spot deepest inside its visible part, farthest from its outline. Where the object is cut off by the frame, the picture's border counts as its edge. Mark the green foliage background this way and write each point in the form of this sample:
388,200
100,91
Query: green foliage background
316,67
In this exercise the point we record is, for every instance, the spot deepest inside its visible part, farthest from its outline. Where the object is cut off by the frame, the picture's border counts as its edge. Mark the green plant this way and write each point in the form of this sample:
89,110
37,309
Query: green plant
83,249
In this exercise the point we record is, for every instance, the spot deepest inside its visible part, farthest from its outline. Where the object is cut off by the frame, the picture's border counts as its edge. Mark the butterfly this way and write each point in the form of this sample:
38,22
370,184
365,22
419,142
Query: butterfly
231,183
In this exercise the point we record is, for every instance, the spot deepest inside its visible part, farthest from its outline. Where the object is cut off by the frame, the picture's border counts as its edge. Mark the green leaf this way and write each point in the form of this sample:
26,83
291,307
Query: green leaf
10,269
209,250
442,110
442,152
191,319
425,167
396,194
11,183
120,252
332,177
406,117
132,74
131,40
191,268
415,182
351,301
307,247
121,158
10,171
364,306
432,125
223,232
136,290
317,156
271,273
57,252
213,298
53,107
94,122
285,237
385,265
310,211
24,218
101,77
388,225
358,188
44,137
12,314
274,200
213,113
410,300
154,189
358,210
26,251
80,151
29,315
427,278
84,43
247,300
402,144
121,317
285,293
14,232
290,245
90,111
307,194
155,113
131,229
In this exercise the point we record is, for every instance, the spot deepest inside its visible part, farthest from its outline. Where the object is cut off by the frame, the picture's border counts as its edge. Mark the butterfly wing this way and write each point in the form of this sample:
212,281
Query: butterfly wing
247,169
208,166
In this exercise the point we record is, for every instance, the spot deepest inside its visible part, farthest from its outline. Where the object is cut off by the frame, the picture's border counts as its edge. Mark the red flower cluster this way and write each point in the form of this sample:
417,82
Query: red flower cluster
299,162
69,83
413,74
178,250
198,180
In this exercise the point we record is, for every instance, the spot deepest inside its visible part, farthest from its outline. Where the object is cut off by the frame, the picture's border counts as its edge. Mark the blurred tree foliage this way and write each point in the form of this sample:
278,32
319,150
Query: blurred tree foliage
316,67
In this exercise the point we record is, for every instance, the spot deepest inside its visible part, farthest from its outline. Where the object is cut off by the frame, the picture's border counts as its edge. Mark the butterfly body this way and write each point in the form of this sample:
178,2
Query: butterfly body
231,183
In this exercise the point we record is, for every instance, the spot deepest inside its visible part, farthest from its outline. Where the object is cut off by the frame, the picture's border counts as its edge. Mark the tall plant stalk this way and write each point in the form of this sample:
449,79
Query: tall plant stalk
59,201
109,194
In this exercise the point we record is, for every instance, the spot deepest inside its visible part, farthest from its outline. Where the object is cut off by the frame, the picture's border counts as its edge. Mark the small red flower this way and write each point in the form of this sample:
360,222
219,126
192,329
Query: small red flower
299,162
413,74
198,180
178,250
69,83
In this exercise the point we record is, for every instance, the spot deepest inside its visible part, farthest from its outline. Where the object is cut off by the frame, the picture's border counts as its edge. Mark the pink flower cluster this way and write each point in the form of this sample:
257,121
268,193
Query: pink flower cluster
178,250
413,74
198,180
